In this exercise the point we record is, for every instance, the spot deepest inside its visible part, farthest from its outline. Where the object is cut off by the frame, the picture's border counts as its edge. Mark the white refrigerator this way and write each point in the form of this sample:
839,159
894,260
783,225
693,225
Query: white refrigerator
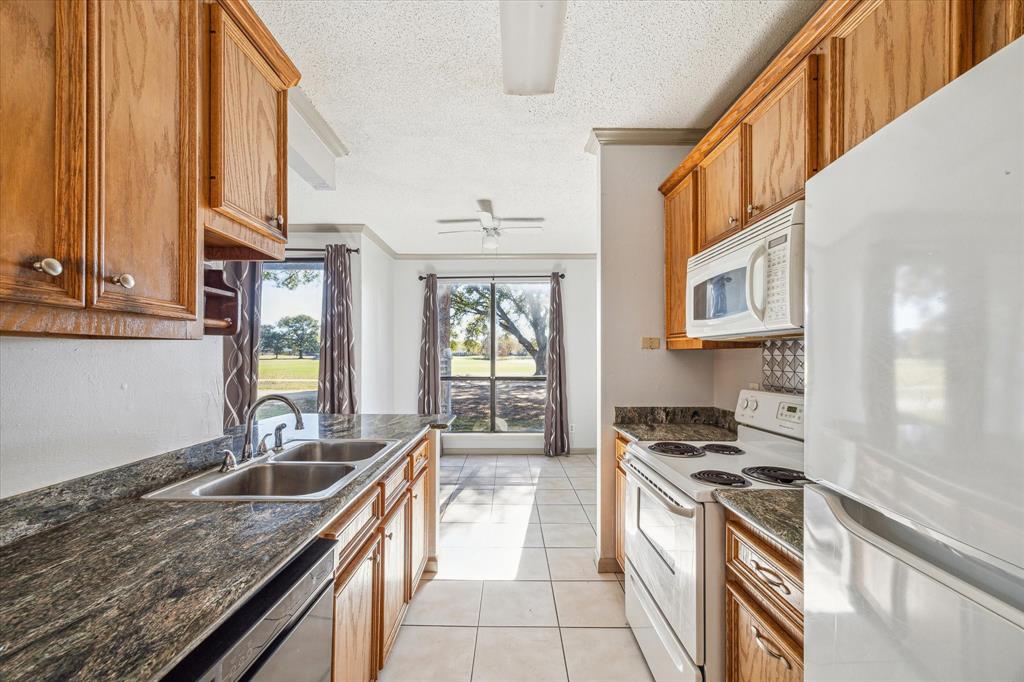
914,529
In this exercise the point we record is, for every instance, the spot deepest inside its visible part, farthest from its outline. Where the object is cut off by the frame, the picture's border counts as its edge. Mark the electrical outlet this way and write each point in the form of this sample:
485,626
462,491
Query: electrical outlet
572,428
650,342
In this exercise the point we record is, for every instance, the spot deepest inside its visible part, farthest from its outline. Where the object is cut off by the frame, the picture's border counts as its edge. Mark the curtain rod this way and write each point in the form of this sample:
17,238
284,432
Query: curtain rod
348,248
561,275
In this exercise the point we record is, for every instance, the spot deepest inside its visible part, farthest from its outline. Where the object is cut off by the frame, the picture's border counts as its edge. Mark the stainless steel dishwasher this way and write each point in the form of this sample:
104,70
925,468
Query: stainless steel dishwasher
283,632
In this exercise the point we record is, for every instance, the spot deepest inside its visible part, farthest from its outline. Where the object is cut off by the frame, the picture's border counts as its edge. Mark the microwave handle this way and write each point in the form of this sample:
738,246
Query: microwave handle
760,252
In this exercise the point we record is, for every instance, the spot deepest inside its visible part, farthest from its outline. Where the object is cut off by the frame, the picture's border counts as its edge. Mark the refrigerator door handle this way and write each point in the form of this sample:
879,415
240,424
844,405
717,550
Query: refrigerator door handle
1000,589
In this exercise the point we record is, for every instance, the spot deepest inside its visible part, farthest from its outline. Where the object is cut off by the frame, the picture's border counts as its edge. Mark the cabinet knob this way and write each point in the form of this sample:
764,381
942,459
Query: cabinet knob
732,220
390,535
280,220
125,280
51,266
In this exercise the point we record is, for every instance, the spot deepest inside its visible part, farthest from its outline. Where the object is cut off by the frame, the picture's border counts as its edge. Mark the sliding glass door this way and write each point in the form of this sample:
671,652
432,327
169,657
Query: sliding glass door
494,353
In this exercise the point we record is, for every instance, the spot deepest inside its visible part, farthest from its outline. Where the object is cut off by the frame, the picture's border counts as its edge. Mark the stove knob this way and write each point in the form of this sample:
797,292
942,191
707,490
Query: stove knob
746,403
753,403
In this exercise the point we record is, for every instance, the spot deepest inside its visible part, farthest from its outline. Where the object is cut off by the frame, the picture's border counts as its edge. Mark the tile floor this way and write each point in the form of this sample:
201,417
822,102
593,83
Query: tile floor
517,596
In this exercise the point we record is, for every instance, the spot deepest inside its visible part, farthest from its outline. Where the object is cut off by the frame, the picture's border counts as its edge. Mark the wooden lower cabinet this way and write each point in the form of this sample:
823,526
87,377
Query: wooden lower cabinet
620,517
395,583
355,657
417,531
757,648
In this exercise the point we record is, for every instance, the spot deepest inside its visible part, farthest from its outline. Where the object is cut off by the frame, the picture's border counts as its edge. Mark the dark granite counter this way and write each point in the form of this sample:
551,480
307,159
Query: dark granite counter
675,423
125,591
779,513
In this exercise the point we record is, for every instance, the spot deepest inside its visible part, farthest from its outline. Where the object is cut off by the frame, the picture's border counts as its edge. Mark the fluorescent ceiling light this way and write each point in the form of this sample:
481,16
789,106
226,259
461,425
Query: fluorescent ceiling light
531,39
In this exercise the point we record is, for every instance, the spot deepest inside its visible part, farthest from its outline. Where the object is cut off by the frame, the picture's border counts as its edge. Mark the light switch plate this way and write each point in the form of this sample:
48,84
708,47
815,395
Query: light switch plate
650,342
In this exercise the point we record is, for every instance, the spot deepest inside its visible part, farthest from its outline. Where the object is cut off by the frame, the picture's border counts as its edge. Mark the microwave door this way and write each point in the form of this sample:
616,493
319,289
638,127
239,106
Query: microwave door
726,296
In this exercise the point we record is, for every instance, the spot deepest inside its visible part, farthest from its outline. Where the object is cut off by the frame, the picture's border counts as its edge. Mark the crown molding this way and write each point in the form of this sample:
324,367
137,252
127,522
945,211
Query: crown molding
642,136
300,100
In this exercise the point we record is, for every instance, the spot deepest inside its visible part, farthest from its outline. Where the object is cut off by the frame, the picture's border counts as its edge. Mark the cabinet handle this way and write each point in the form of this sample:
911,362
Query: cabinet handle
389,535
280,220
125,280
732,220
415,496
751,208
770,576
51,266
762,643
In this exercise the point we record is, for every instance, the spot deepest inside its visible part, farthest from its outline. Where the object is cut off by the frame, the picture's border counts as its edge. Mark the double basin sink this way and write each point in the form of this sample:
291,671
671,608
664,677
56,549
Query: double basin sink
300,471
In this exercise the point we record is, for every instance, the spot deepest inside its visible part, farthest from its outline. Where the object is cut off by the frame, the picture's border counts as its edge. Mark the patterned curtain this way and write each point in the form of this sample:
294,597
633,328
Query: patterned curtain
556,408
429,399
242,351
336,388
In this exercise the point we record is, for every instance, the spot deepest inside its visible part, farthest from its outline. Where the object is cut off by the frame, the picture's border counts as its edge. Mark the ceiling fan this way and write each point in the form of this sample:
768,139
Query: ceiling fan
489,224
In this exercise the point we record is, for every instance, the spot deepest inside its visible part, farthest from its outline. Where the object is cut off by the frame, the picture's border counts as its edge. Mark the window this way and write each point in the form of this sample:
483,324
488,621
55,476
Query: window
494,338
290,308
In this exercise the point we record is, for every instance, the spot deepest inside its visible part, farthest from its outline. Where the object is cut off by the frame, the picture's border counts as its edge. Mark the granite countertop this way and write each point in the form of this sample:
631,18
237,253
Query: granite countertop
125,592
691,432
779,513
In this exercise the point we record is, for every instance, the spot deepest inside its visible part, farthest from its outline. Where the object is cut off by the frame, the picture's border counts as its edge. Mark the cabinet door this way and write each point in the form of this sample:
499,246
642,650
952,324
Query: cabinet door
248,136
885,57
354,659
995,23
42,135
721,196
680,226
757,649
394,592
620,518
143,168
417,531
780,142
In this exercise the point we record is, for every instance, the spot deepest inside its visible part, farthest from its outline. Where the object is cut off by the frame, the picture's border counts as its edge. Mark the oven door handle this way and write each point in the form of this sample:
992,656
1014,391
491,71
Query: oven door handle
669,504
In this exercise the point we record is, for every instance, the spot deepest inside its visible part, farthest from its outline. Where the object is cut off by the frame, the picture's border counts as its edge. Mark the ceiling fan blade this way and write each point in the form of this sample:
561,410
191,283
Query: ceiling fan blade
522,220
453,221
485,205
476,231
522,227
485,213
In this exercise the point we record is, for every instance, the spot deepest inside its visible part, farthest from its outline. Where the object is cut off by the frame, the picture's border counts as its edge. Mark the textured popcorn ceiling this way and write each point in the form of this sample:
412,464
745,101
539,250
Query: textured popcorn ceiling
414,90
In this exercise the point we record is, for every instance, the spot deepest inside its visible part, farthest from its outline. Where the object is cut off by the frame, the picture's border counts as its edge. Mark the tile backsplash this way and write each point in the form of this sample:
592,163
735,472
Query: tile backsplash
782,365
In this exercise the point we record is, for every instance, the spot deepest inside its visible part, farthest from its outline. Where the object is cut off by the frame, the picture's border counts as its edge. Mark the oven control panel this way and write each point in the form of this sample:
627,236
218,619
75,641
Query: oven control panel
776,412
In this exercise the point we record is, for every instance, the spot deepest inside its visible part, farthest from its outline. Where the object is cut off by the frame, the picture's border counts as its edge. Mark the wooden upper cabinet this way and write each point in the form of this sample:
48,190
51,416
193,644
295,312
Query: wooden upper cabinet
143,175
680,228
885,57
720,192
42,167
780,142
995,24
248,136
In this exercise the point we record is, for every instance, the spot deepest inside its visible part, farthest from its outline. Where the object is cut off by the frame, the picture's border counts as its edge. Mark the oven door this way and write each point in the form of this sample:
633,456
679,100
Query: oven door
665,550
726,296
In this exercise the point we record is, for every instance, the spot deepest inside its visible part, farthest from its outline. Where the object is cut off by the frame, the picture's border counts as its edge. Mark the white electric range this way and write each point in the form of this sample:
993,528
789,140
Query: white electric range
675,530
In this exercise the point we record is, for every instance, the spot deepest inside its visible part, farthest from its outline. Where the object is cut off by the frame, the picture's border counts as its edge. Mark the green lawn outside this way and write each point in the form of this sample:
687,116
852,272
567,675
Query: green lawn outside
288,374
479,366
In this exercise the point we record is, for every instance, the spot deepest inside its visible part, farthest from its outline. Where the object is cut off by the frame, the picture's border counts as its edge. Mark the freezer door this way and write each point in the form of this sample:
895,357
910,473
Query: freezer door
914,249
883,604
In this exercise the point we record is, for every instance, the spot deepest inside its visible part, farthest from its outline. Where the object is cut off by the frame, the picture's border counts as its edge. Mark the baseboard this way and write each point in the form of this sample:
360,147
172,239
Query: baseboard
511,451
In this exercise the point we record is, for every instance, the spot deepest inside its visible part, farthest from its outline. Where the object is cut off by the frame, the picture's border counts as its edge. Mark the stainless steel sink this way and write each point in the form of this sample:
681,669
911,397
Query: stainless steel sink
322,451
267,481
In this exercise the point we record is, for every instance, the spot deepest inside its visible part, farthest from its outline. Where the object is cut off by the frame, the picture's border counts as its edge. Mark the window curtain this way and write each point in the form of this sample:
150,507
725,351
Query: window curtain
336,387
556,408
429,399
242,350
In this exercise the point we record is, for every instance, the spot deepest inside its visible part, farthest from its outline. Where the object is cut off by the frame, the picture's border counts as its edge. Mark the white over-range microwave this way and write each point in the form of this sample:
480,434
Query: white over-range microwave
751,284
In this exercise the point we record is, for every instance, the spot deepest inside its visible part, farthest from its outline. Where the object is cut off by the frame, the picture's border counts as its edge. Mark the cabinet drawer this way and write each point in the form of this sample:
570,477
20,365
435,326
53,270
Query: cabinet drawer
620,448
352,527
765,570
419,457
394,483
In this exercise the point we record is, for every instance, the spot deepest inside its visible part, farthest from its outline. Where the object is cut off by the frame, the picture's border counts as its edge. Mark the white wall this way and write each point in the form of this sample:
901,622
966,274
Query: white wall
579,299
735,369
70,407
376,361
632,305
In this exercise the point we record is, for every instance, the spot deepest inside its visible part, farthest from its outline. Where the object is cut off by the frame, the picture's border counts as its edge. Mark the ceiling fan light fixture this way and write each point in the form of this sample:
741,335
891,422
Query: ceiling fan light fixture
490,240
531,40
